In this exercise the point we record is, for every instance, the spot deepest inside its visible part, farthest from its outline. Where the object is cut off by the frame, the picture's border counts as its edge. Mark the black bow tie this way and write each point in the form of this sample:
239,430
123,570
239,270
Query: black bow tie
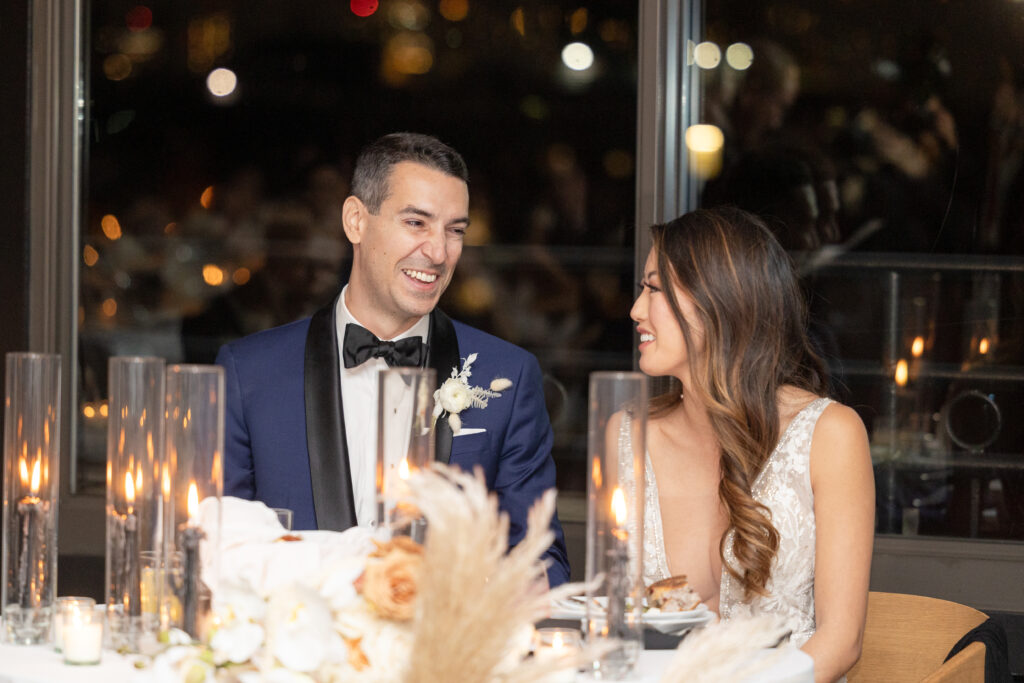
361,345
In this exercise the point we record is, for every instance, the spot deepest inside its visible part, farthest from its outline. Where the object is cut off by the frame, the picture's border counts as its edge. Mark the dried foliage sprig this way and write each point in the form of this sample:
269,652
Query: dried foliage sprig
475,595
727,651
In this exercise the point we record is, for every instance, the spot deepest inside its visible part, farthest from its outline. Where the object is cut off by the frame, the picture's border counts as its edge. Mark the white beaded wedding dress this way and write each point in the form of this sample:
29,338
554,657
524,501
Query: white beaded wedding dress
784,487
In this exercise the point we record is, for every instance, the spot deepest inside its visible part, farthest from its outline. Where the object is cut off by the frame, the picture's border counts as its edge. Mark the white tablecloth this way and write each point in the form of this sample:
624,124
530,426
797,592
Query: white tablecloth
22,664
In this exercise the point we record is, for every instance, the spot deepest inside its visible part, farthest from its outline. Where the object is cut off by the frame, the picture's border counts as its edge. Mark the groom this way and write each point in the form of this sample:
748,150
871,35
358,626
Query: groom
302,398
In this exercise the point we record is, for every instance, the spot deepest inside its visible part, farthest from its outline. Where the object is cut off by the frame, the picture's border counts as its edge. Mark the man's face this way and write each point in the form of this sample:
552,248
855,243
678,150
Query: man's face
404,256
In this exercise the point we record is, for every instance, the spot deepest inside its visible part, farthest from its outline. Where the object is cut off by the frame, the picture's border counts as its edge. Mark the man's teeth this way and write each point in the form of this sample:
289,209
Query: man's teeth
646,338
420,275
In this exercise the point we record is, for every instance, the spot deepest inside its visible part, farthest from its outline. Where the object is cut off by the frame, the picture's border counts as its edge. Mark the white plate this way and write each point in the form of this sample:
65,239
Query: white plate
674,623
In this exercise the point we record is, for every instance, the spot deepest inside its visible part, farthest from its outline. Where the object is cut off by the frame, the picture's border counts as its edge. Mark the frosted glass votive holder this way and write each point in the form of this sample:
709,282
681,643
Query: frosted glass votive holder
82,636
65,604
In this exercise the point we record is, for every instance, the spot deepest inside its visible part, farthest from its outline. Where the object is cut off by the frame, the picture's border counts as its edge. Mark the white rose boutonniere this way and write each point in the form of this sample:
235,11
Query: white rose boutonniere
455,395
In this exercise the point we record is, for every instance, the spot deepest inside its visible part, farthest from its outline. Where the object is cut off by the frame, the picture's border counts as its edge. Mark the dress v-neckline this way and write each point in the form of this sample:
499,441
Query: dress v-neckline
662,554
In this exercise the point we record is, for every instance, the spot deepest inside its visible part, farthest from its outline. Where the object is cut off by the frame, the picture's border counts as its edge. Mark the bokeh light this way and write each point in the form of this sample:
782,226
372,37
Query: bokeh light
739,56
111,227
454,10
983,346
89,411
213,275
578,56
109,308
618,163
578,21
206,198
704,142
917,347
707,55
139,18
411,15
221,82
117,67
407,54
902,372
241,276
90,255
363,8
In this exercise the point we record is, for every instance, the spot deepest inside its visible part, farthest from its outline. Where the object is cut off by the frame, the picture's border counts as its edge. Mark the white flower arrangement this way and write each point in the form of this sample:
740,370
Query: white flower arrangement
455,608
456,395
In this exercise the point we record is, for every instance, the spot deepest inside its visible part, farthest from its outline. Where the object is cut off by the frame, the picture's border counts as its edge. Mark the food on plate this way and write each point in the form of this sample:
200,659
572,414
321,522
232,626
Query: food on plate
673,594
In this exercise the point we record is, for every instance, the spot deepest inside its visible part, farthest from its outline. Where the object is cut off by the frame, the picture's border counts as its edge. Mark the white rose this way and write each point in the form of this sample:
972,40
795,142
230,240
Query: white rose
237,642
455,396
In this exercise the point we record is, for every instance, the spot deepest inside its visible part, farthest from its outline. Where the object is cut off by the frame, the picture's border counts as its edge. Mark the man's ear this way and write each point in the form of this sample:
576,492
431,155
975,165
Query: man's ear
353,218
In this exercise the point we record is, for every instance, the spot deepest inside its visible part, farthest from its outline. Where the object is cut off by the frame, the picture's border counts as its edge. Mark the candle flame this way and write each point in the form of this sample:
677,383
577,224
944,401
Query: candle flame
166,483
35,477
556,641
193,502
917,347
129,488
619,506
403,469
983,346
901,373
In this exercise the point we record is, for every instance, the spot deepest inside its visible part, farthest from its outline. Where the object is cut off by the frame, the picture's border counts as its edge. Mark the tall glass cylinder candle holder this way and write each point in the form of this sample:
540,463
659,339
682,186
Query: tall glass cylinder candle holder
194,485
135,460
405,443
615,522
31,492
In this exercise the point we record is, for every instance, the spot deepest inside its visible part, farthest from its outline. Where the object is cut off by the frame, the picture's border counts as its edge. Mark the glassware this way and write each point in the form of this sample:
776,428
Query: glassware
284,517
64,604
615,497
82,634
194,485
405,443
31,494
135,459
556,643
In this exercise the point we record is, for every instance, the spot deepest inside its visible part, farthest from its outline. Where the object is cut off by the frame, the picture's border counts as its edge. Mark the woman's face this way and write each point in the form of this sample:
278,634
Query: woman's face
662,347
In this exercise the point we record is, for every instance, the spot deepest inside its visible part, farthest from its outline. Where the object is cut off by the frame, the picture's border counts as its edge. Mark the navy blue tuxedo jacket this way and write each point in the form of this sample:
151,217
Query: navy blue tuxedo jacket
285,429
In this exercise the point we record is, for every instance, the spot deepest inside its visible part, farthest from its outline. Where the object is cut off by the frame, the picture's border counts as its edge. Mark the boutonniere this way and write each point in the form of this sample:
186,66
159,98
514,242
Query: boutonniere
455,395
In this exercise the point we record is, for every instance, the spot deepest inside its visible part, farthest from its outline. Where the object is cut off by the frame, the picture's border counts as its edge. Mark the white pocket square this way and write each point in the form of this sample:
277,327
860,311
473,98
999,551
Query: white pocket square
466,431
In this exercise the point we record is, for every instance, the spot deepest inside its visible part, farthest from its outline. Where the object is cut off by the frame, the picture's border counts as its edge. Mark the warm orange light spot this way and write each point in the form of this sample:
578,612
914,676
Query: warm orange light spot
170,228
206,198
129,489
619,507
23,467
578,21
88,411
241,276
403,469
213,275
90,255
454,10
109,308
518,21
193,504
917,347
104,410
902,372
983,346
595,473
111,227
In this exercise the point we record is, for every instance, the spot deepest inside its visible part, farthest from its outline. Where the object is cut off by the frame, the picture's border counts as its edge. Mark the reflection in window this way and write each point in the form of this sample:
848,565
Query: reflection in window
220,141
882,142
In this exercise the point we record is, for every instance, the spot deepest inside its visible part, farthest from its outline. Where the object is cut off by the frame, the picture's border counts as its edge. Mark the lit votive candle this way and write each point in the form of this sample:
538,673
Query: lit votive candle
65,604
82,634
558,644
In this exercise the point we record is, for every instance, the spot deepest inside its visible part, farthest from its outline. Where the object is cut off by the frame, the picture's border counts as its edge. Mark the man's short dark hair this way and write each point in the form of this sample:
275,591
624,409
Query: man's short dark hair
373,167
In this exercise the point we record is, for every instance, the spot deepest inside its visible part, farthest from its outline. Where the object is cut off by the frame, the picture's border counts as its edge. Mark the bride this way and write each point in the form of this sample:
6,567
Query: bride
759,489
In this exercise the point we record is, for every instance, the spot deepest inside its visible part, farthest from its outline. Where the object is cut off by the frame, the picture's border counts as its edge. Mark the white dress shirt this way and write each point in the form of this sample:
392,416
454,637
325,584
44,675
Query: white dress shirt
359,387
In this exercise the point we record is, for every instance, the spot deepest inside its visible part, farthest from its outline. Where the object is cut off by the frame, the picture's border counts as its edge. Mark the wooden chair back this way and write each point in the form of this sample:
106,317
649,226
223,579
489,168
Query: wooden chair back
907,637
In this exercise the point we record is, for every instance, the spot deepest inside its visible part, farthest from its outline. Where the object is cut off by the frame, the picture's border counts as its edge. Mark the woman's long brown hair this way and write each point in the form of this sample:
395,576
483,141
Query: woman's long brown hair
755,341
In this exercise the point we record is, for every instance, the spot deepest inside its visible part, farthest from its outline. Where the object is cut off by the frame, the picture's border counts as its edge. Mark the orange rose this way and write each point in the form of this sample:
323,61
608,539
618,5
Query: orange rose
391,580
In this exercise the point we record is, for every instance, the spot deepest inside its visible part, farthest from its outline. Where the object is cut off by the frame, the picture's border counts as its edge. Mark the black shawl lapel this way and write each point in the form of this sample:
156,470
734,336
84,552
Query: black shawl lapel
333,501
442,355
